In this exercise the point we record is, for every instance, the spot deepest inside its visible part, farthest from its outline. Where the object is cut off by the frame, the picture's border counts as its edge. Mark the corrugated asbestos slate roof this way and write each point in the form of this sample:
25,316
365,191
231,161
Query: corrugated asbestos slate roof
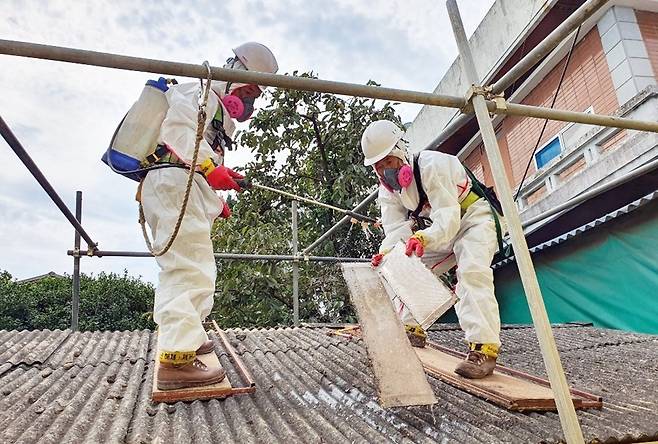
588,226
60,387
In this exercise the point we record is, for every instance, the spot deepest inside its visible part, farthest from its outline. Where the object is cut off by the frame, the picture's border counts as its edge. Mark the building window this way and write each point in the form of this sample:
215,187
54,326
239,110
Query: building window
549,152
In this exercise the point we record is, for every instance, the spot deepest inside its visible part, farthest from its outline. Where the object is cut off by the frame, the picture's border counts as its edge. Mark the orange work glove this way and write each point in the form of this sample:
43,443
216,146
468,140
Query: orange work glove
416,244
220,177
377,259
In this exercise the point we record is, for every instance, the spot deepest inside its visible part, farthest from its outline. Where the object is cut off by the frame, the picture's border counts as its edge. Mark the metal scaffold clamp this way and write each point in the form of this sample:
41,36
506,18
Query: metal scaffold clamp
91,250
488,94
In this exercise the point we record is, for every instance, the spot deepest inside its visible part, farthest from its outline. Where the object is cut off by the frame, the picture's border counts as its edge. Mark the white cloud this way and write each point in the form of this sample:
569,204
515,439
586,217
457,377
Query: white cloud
65,114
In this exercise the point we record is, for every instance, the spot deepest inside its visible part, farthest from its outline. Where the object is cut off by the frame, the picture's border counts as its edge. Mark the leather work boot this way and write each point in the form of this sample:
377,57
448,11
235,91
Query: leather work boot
192,374
416,335
207,347
480,361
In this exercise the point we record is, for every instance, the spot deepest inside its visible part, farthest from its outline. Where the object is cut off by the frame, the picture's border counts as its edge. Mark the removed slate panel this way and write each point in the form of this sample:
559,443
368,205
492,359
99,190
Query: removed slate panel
408,279
399,374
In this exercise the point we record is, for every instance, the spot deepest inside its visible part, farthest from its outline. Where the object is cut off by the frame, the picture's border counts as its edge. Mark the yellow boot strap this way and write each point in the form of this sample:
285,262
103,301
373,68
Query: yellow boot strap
470,198
490,350
177,358
415,330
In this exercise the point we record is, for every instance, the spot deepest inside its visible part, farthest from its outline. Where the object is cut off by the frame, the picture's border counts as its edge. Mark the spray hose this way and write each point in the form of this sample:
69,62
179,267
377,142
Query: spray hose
247,184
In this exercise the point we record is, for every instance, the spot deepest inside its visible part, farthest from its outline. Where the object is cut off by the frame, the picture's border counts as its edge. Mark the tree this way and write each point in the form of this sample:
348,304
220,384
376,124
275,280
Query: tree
107,302
306,143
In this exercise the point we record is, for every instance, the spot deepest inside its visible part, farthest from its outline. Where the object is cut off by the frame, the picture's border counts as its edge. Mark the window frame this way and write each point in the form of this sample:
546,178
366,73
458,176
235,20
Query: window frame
589,110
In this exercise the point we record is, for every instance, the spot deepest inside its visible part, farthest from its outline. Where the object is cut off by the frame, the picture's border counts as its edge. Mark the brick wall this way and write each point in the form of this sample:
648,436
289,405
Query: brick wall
572,170
648,23
473,162
587,83
613,142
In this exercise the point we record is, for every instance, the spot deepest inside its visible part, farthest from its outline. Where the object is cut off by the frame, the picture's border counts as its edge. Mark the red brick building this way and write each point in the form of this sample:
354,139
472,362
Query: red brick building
595,260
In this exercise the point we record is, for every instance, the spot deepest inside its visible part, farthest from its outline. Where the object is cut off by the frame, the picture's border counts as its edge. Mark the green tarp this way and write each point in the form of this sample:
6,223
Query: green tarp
607,276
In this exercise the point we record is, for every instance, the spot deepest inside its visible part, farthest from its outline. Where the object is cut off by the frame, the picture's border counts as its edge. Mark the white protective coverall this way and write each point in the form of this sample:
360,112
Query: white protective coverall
184,297
468,239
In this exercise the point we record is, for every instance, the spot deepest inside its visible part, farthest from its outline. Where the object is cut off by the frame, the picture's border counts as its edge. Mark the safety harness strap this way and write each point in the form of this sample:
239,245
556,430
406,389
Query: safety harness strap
156,155
489,195
221,138
478,190
419,222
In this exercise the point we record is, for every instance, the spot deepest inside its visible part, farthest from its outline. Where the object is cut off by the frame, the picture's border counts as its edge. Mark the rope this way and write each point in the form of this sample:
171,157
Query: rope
201,121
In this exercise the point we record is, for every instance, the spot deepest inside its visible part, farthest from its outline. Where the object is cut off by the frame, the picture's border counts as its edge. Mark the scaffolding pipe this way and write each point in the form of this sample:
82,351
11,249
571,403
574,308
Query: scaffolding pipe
75,301
94,58
548,44
593,192
295,267
558,380
16,146
361,206
229,256
515,109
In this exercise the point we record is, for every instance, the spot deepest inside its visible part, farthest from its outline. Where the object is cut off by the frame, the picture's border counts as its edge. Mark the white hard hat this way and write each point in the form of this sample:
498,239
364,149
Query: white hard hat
257,57
378,140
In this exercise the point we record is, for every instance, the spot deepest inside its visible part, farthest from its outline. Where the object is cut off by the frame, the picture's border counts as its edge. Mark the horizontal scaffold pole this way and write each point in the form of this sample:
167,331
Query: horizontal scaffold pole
94,58
227,256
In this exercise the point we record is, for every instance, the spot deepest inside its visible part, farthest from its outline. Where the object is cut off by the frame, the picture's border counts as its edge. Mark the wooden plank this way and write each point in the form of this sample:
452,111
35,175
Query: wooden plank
398,372
222,389
408,279
508,388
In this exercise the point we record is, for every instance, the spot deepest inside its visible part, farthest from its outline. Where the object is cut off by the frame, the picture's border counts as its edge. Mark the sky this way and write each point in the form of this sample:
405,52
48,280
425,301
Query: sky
65,114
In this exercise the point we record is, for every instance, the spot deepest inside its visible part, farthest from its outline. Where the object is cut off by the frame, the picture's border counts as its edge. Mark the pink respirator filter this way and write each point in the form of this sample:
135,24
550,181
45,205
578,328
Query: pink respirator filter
233,105
405,176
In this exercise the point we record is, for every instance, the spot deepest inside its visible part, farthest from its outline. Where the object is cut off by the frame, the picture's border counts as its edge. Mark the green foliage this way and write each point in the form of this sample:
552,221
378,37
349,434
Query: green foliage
308,144
107,302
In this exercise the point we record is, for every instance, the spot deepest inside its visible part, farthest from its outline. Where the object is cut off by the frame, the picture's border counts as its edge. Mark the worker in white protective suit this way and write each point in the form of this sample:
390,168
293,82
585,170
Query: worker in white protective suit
462,232
186,287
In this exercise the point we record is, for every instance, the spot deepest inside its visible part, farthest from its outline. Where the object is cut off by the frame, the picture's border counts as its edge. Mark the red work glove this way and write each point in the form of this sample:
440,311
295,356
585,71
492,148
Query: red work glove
416,245
377,259
222,178
226,212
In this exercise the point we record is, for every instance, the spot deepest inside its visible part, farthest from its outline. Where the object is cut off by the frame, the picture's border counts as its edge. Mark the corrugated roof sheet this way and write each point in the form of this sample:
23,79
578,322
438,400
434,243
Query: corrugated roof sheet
593,224
95,387
29,347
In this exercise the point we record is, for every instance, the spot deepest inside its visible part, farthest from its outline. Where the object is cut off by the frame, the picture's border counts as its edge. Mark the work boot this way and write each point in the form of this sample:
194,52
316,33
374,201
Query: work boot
416,335
480,361
207,347
192,374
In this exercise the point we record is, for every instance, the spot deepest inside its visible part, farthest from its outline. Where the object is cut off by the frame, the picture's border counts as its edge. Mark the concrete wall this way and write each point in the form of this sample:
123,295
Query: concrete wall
625,52
496,36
